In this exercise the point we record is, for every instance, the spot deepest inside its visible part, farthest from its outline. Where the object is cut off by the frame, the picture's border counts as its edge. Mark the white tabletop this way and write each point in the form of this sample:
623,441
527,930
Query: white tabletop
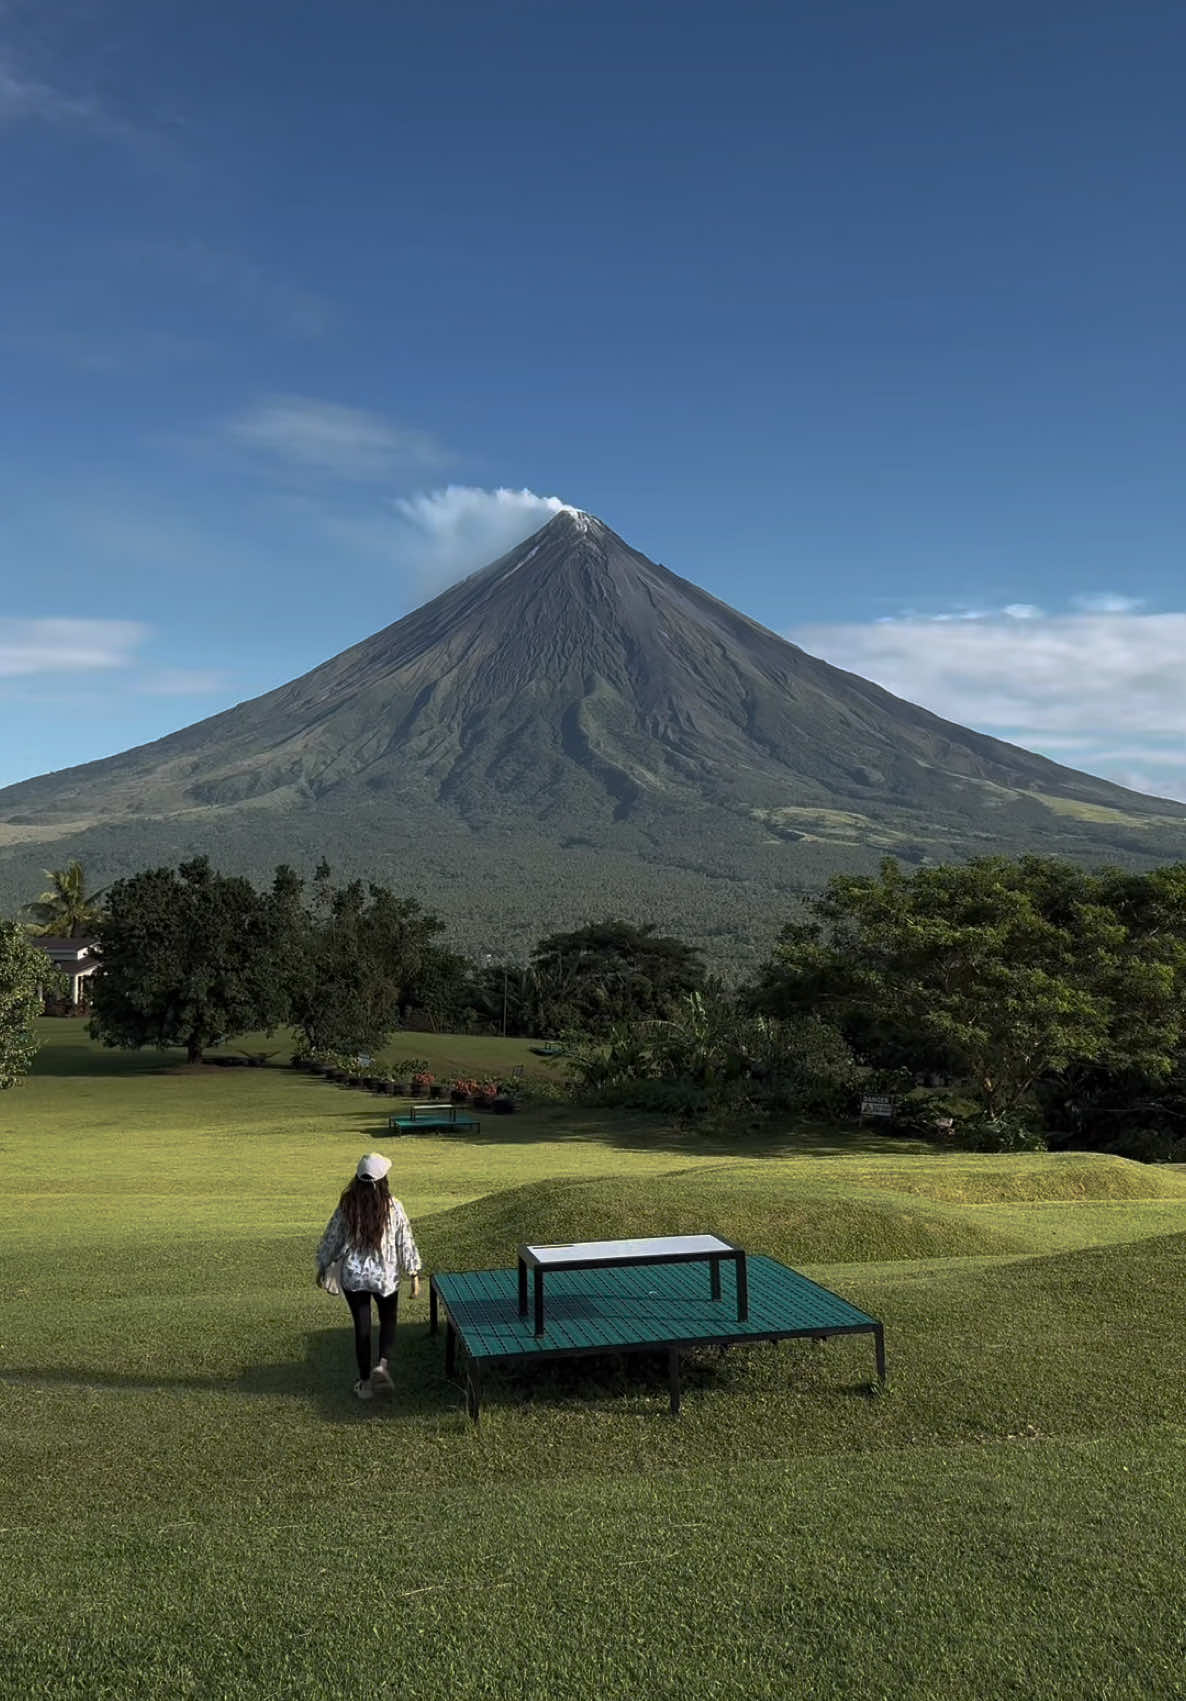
655,1246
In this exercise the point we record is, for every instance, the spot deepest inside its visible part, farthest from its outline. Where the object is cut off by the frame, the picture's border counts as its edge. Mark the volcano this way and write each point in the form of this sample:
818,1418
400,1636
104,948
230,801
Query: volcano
575,729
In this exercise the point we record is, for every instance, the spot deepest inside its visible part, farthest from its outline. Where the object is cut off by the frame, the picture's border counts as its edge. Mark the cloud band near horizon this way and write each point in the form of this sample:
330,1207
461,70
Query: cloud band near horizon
1099,689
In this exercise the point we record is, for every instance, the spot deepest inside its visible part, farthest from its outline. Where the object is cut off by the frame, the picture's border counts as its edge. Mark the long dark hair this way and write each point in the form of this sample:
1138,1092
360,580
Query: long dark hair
365,1205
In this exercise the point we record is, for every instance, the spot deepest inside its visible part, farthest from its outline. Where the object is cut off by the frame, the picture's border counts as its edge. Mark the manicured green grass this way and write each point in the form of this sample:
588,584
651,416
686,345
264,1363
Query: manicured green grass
447,1054
192,1504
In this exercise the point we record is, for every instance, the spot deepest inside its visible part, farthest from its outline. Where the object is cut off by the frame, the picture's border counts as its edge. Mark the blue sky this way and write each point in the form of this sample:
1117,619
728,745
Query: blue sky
869,319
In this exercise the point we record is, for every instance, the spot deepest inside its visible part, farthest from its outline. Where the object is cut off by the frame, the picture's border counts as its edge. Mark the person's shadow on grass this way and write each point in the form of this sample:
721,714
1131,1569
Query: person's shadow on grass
323,1378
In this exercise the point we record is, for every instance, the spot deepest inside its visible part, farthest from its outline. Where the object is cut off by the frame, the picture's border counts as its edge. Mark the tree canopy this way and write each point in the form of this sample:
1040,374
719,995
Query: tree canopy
66,910
26,974
612,971
366,958
189,956
1006,972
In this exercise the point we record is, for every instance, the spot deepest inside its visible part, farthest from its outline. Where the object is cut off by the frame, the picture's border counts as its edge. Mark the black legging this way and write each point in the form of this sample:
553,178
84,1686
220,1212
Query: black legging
359,1301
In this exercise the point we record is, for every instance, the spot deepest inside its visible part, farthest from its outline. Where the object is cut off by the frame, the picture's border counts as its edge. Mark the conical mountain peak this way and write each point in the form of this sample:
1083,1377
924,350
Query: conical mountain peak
572,527
574,693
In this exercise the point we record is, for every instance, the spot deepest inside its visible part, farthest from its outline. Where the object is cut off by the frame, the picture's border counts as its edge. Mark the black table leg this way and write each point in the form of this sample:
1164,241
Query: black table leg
879,1343
539,1299
432,1307
742,1287
473,1390
673,1378
450,1348
522,1288
715,1266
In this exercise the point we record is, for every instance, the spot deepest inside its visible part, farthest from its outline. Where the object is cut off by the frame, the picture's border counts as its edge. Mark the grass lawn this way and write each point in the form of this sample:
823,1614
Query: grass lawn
192,1504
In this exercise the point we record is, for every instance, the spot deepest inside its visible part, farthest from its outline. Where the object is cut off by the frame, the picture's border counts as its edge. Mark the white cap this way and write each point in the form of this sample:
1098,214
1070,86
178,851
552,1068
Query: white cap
373,1167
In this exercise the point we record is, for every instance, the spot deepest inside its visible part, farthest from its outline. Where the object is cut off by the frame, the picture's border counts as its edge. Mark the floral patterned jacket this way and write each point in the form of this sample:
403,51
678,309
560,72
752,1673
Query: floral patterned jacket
375,1272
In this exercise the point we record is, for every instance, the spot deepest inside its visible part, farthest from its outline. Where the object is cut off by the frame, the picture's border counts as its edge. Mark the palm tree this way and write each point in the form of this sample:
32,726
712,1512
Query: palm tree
66,910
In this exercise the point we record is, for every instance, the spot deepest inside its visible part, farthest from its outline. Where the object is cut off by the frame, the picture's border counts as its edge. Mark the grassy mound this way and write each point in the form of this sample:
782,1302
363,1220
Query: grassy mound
771,1213
988,1179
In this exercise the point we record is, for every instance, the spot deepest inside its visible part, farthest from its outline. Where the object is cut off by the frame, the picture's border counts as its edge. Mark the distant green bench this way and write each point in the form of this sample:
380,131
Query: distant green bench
423,1118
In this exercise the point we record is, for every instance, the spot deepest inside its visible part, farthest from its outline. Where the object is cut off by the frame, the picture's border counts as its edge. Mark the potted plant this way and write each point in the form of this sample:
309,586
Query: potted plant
463,1089
423,1083
485,1094
406,1071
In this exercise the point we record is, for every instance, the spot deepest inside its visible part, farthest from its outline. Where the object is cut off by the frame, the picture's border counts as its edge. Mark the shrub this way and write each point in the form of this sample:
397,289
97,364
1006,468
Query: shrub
1149,1146
537,1090
679,1098
422,1080
924,1108
1005,1133
716,1055
811,1070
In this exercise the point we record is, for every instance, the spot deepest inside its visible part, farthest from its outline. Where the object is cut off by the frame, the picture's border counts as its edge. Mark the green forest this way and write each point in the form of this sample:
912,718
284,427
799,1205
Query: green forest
1005,1003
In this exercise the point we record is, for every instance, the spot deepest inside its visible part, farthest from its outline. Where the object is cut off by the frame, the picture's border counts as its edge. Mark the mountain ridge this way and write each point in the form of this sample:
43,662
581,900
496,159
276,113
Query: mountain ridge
574,690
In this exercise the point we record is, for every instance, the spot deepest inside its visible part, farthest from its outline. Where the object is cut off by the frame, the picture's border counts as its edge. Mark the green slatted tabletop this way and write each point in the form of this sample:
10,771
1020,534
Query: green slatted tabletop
633,1309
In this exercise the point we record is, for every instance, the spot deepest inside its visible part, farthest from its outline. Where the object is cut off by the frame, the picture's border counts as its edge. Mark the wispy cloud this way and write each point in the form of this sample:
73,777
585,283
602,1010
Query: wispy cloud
25,98
65,647
28,97
31,647
1071,685
182,682
238,283
104,353
89,671
441,535
325,437
1106,602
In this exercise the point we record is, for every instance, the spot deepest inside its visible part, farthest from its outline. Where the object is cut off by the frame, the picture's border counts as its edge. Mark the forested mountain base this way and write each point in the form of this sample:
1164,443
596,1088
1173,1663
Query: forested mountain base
715,879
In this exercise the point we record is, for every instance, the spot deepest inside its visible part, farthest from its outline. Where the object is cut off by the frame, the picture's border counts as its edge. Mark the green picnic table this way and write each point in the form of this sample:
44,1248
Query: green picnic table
424,1118
601,1301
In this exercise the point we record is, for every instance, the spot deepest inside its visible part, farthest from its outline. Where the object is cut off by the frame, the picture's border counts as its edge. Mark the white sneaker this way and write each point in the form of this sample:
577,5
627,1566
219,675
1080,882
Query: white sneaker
363,1390
381,1382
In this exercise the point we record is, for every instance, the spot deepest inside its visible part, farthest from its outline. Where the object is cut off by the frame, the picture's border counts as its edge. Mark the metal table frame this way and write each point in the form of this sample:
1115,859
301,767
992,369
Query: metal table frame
528,1260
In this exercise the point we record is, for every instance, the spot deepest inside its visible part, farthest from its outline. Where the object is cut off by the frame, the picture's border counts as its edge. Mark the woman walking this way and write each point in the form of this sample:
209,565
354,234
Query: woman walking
370,1236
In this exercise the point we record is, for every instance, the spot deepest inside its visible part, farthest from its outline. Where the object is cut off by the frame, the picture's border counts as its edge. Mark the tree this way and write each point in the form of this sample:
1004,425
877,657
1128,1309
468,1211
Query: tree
1138,1084
367,959
525,999
26,974
1012,971
66,910
613,971
444,991
189,956
712,1054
